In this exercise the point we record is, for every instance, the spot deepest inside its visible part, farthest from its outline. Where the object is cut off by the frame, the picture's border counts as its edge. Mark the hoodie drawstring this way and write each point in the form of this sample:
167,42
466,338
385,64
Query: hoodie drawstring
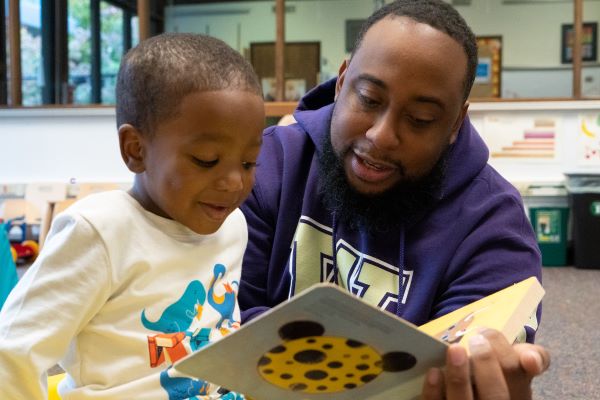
333,252
400,305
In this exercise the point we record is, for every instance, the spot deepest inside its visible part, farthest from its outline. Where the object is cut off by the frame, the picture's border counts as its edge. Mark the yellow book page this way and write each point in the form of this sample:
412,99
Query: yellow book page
507,311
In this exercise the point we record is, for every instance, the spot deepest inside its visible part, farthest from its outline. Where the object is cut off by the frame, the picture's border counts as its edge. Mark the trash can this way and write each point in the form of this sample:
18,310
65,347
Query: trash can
584,198
548,210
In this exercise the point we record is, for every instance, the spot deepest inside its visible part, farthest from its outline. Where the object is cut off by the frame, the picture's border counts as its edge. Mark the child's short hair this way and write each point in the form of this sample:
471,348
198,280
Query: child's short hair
159,72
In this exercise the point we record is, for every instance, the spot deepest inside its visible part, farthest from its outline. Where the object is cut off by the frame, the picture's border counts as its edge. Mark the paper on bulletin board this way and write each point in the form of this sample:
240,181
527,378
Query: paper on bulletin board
588,139
522,138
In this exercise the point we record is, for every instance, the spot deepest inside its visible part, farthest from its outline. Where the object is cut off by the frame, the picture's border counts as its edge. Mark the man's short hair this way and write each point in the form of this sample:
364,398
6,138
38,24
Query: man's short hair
439,15
159,72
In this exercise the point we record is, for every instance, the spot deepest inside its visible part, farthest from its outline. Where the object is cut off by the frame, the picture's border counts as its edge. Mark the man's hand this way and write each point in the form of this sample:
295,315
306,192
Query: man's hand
496,370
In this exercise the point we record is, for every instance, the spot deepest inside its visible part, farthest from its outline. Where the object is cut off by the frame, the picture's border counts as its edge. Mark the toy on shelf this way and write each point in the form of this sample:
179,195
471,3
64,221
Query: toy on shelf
8,270
23,249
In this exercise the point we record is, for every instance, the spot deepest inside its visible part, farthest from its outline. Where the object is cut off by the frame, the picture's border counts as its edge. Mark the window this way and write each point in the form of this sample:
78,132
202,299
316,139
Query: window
79,33
70,51
31,52
135,31
111,48
113,39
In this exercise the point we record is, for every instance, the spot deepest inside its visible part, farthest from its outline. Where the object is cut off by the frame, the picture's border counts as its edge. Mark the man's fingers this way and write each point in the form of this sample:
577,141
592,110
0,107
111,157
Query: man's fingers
533,359
433,387
496,370
457,380
518,381
488,376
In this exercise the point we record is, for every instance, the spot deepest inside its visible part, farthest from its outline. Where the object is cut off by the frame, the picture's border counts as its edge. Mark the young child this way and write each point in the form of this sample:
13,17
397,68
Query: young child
130,282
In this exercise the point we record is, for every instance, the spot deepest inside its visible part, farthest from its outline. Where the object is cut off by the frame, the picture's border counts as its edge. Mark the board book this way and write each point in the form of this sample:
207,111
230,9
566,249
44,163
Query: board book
326,343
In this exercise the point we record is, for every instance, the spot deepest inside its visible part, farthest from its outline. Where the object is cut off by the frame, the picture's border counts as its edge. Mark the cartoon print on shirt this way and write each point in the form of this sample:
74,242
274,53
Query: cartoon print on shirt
186,326
224,304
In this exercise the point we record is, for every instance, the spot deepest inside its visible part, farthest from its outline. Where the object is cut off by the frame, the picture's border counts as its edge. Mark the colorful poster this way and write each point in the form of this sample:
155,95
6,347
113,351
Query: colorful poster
589,139
523,138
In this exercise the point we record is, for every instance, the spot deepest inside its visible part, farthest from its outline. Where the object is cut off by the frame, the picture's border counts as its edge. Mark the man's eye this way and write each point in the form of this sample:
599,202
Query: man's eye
204,163
249,165
420,121
367,101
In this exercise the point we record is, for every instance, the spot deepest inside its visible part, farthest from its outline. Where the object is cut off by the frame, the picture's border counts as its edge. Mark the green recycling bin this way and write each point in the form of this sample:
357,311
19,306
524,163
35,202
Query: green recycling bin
584,195
550,225
548,210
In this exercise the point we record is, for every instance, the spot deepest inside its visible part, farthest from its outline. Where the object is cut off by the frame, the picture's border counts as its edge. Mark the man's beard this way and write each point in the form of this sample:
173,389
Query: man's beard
403,203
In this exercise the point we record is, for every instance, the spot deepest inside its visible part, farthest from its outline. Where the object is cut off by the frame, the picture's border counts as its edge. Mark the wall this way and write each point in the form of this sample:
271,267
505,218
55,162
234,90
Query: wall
59,145
548,82
240,23
531,33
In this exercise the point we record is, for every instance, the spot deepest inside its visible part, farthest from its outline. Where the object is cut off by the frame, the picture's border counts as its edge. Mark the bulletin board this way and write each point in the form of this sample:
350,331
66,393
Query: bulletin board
489,68
589,42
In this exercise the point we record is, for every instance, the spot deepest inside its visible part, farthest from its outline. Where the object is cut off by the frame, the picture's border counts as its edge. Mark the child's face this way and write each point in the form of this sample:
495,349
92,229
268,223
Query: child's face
199,165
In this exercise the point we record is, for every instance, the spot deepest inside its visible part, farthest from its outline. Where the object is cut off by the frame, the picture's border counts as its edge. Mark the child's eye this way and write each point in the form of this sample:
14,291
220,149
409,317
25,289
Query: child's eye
249,165
204,163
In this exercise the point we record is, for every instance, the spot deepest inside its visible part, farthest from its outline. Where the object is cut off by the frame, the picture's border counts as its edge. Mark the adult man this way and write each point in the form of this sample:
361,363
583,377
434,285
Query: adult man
383,187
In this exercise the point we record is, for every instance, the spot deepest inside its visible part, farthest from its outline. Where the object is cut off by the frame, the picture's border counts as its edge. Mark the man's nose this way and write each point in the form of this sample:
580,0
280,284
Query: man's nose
384,132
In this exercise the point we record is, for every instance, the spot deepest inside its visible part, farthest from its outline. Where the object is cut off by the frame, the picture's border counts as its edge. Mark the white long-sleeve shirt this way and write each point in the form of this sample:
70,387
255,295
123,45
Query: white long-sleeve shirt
115,297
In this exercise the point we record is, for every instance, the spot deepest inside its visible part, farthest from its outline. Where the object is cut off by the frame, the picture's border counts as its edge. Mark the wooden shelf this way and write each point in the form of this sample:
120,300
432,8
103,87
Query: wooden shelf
279,108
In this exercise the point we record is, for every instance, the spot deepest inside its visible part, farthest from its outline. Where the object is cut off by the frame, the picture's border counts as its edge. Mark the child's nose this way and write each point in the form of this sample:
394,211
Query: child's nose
232,181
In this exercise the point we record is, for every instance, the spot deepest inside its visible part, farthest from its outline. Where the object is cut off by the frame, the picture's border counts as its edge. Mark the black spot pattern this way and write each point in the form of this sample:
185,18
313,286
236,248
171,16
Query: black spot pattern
398,361
298,387
309,356
300,329
309,362
368,378
278,349
316,375
354,343
264,361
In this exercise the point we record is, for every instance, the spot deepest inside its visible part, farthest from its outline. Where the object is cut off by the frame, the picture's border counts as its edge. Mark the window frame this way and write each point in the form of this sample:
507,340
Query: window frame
3,55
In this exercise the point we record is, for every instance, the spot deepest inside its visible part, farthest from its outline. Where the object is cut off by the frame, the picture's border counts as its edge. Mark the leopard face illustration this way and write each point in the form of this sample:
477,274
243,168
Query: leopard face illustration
308,361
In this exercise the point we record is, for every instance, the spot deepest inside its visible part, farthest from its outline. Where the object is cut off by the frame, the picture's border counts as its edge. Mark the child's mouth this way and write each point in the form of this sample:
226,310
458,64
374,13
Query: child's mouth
216,212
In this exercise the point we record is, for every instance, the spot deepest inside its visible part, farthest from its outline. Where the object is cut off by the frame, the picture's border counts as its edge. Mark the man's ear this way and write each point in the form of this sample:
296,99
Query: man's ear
131,143
341,76
459,121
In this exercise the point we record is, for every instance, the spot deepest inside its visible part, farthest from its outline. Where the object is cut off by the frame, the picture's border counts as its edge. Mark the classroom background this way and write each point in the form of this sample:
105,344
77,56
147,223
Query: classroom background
536,103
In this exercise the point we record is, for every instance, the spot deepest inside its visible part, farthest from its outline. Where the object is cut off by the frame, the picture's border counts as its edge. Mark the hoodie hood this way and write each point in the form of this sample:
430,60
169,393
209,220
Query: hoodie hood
467,157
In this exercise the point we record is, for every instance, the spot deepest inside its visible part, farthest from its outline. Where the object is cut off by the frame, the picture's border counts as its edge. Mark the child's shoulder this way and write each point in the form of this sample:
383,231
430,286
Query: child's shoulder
104,207
106,200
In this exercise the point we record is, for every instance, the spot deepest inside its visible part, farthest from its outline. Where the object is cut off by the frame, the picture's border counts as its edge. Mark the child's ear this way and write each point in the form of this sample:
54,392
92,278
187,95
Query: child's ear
131,143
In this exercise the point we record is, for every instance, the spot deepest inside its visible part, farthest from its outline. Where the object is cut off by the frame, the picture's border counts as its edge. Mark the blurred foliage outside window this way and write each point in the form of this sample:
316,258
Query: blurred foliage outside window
111,49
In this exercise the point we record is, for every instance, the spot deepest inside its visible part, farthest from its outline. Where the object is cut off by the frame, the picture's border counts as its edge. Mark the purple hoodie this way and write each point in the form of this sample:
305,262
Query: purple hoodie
475,241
